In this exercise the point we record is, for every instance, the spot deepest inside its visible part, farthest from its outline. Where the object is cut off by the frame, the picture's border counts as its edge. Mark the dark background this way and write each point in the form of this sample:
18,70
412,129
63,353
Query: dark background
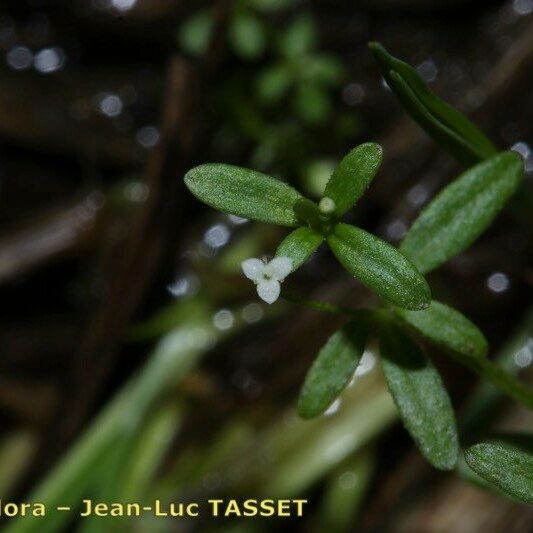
104,254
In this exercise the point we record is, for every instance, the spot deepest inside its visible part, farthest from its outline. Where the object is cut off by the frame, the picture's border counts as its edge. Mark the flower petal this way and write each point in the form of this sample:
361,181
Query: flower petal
268,290
279,268
253,269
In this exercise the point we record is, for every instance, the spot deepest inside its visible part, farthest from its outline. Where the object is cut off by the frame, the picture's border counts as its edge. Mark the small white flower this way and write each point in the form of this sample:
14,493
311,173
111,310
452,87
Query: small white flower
267,275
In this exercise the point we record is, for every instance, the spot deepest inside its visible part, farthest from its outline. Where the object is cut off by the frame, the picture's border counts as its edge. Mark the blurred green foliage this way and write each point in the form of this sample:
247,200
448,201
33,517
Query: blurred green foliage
281,94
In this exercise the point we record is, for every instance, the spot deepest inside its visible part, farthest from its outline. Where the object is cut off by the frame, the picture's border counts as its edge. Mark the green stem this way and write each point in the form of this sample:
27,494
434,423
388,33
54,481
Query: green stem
500,378
482,367
483,402
326,307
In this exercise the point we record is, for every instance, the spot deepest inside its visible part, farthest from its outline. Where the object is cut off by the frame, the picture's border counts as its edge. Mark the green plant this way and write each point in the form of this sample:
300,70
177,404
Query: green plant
301,73
246,33
447,226
277,67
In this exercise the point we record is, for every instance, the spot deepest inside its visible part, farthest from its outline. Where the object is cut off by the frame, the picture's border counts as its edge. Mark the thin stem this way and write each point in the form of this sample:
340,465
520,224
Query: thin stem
482,367
500,378
319,305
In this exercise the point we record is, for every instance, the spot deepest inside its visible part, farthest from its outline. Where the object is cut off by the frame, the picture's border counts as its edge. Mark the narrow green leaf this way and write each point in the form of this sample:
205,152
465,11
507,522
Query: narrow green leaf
457,146
462,211
333,368
441,121
448,328
195,34
312,102
507,463
299,38
246,35
419,394
245,193
273,83
353,175
324,68
299,245
380,266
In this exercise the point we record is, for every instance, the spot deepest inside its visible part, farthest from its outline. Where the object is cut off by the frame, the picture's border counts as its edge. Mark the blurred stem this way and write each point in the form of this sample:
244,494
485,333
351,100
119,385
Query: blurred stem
506,382
310,449
480,407
171,361
130,465
345,492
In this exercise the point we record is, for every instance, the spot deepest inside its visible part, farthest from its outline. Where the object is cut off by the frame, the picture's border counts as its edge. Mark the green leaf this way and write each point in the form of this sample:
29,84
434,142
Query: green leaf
445,124
195,33
448,328
353,175
444,136
299,246
323,68
333,368
273,83
420,396
380,266
462,211
246,35
299,38
507,463
312,102
245,193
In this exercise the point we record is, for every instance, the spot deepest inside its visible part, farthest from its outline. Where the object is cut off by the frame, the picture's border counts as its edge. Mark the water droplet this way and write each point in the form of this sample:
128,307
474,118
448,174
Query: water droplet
147,136
123,5
353,94
49,60
348,480
184,286
396,230
252,313
498,282
428,70
136,192
110,104
524,357
418,195
19,58
476,97
223,319
523,7
217,236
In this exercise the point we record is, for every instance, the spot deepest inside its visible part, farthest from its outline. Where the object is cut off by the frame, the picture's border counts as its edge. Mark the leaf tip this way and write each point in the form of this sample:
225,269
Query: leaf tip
306,408
191,177
376,47
304,413
423,298
376,148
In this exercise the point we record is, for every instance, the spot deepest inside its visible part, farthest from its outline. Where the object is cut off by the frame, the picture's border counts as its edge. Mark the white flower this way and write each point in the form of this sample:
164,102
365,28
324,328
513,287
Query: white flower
267,275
